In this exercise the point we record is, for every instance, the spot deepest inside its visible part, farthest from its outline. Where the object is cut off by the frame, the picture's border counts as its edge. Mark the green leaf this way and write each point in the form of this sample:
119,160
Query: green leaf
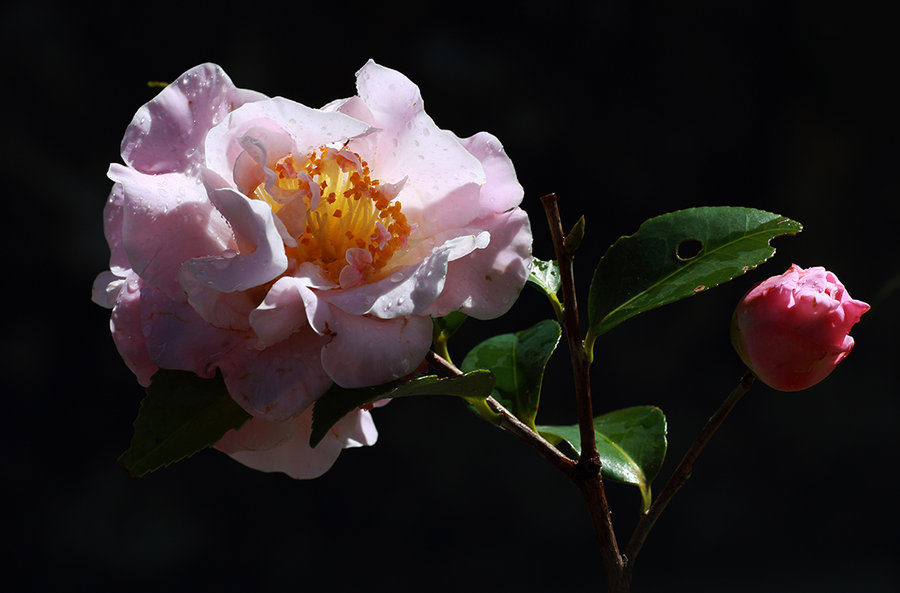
546,278
338,401
631,444
573,239
677,255
180,415
517,362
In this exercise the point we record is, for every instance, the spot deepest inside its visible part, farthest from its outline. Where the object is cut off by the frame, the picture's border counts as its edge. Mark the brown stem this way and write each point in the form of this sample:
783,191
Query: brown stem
580,366
588,477
509,422
683,472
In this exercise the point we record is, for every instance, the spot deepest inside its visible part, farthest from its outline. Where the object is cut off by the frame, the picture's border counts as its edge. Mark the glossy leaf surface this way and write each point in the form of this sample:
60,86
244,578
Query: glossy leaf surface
631,443
545,276
677,255
517,361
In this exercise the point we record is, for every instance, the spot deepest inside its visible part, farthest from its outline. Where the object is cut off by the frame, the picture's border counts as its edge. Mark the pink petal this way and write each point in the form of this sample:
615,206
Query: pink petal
284,446
126,327
252,222
178,338
408,291
289,306
486,283
249,169
280,381
443,177
112,229
308,129
166,219
106,288
166,135
502,190
224,310
367,351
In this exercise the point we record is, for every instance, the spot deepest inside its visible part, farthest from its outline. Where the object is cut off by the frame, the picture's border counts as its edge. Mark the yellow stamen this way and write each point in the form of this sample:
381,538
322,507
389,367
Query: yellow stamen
352,211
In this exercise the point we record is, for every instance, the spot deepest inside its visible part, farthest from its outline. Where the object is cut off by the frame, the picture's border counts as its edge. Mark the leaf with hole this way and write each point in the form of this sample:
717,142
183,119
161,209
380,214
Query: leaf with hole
631,444
677,255
517,362
180,415
339,401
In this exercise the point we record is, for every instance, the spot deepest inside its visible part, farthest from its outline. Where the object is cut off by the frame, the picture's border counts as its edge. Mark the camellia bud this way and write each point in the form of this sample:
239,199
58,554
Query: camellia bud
792,329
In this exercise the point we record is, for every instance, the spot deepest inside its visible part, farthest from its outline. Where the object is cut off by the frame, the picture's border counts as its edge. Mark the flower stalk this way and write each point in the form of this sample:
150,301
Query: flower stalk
507,420
587,477
683,472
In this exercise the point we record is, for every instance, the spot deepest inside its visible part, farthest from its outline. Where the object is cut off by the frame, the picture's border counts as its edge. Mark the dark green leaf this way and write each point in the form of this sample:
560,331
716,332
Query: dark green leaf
677,255
631,444
181,414
517,362
338,401
573,239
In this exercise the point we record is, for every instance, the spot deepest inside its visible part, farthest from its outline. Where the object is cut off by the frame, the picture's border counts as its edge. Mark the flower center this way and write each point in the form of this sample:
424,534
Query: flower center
337,213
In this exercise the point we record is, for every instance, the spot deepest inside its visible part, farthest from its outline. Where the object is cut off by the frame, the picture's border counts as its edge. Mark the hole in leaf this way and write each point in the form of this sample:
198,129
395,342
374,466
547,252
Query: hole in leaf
688,249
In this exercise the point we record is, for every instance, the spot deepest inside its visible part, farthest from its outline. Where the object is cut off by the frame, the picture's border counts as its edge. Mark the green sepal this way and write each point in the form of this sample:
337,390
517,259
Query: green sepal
448,325
339,401
631,444
517,361
180,415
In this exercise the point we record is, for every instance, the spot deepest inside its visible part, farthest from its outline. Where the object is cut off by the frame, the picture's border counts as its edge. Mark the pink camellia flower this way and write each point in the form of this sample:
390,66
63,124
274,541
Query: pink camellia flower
792,329
293,248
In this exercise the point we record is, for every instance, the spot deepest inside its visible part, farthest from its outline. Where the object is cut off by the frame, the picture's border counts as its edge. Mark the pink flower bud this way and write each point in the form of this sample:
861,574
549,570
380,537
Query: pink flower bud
792,329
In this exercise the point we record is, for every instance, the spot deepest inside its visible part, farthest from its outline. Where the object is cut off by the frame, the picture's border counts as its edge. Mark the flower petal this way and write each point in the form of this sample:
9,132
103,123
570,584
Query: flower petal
125,324
166,219
281,381
178,338
408,291
290,452
289,306
112,229
367,351
443,178
224,310
502,190
486,283
166,135
308,129
252,221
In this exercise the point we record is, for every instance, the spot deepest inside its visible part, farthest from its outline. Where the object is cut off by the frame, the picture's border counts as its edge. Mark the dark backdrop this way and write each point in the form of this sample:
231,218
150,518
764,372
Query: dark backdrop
626,112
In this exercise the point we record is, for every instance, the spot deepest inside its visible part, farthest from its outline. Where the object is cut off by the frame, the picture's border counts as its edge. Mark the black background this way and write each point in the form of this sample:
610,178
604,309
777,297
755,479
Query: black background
626,112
